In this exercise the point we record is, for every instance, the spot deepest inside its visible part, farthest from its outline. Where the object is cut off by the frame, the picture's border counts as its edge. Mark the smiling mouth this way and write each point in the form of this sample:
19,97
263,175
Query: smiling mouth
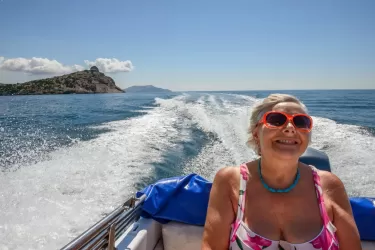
287,142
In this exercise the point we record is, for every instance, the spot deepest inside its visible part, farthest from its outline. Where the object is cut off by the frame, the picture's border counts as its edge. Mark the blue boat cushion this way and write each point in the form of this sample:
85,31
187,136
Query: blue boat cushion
182,199
364,215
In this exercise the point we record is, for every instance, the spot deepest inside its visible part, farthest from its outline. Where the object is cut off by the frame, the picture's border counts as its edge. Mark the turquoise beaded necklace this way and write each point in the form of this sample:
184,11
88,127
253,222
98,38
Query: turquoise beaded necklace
273,190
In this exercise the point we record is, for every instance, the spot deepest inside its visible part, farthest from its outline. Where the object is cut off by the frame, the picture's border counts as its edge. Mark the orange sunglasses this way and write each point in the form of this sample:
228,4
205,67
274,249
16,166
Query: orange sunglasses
277,119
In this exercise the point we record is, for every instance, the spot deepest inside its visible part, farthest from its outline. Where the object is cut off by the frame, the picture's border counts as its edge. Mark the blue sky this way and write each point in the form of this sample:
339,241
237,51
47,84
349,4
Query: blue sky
193,45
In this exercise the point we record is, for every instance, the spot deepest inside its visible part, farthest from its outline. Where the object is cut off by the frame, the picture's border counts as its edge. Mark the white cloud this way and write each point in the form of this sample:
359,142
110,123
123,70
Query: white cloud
38,65
112,65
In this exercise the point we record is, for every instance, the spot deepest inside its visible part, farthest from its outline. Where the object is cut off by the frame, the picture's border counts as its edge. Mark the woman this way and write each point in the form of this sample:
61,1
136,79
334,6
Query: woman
277,202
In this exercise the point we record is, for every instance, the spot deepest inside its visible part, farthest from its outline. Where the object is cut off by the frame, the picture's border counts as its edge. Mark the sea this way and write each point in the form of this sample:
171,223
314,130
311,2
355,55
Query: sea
67,160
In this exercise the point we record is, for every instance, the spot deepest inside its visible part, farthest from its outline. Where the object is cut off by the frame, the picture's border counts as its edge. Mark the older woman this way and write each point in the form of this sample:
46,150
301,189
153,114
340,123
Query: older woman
277,202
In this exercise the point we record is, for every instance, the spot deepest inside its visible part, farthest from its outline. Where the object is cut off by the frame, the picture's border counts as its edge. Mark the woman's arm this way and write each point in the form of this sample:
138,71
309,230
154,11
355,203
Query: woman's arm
220,212
343,219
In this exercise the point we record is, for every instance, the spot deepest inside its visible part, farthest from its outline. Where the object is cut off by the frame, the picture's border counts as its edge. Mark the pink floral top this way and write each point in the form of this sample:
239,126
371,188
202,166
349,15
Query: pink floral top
242,238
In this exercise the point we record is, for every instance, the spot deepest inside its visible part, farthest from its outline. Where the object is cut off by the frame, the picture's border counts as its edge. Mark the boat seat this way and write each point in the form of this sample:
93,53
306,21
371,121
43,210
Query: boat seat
180,236
316,158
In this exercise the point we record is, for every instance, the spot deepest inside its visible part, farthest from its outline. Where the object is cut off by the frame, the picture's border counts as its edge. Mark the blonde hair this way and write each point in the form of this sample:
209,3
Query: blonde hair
262,107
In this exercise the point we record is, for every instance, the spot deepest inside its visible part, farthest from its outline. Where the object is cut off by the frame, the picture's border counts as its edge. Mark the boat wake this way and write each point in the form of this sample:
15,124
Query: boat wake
46,204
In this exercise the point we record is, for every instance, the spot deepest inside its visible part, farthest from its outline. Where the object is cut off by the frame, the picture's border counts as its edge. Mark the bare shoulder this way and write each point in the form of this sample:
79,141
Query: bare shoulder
331,184
334,189
227,178
230,176
226,173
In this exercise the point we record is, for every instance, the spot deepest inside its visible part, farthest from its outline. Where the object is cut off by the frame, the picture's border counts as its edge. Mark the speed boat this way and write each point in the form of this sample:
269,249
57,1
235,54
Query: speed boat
170,215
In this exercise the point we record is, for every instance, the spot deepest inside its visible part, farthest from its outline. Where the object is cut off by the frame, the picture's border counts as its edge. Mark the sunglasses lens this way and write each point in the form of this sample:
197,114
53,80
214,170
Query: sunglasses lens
276,119
302,121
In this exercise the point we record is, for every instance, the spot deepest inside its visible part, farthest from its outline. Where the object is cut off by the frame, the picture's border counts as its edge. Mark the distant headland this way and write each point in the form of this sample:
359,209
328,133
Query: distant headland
81,82
146,89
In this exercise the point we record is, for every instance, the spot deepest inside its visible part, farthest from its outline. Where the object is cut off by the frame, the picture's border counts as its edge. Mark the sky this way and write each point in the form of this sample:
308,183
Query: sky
193,45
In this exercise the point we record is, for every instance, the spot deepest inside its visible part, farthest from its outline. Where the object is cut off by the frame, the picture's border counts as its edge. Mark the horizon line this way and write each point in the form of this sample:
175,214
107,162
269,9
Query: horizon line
270,90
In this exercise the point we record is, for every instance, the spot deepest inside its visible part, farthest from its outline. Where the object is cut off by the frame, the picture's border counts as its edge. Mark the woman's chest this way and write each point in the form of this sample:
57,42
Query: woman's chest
291,218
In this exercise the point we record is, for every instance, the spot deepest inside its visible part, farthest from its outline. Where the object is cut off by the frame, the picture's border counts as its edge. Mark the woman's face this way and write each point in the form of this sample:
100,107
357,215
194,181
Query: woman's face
285,142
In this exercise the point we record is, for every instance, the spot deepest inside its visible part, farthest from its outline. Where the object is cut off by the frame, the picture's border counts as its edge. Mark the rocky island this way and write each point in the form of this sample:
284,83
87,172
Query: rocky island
81,82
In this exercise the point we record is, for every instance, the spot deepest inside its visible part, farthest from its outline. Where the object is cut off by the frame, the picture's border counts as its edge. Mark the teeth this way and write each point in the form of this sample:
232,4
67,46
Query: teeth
287,141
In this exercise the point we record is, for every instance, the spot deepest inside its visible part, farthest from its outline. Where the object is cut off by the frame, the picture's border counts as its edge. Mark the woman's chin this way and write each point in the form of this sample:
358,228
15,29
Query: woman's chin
287,152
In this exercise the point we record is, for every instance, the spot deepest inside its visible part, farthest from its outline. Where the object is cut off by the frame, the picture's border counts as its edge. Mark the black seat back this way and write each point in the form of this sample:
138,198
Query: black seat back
316,158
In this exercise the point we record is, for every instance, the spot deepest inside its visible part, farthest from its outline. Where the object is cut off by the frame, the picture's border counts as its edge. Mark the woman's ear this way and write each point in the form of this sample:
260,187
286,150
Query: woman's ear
256,140
255,134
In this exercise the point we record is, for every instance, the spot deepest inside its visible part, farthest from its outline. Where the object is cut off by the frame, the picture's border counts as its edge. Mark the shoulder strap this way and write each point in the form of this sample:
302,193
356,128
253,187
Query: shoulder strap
244,176
319,195
330,229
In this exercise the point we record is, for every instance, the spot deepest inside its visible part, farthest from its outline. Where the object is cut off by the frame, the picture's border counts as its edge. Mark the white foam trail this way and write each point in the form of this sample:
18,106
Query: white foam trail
225,119
45,205
352,154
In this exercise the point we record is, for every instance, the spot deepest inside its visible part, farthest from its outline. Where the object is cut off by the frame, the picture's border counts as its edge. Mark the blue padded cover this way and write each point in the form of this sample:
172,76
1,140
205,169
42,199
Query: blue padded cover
364,215
183,199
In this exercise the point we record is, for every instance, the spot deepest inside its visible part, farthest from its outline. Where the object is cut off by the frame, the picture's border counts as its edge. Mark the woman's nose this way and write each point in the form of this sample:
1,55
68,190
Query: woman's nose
289,127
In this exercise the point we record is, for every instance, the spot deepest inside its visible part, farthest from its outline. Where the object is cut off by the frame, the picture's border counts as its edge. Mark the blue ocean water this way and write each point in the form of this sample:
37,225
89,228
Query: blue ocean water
35,125
68,159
